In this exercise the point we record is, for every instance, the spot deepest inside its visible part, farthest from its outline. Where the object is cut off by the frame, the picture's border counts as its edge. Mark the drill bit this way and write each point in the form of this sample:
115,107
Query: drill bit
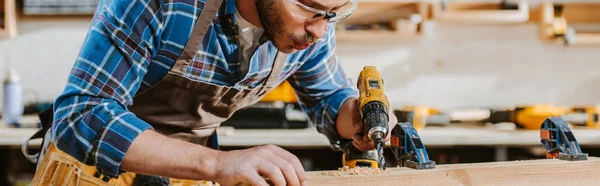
381,162
378,135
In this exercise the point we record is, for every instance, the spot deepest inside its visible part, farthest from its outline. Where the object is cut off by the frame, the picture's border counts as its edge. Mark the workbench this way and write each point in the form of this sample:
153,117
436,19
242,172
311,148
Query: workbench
309,138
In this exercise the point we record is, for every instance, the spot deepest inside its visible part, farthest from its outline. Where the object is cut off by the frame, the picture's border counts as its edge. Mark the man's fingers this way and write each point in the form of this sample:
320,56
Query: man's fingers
391,125
357,137
288,170
292,160
367,139
252,178
272,172
362,145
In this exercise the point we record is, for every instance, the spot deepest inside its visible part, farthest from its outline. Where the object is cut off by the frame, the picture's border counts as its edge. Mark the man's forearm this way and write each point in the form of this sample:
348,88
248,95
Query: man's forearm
155,154
347,117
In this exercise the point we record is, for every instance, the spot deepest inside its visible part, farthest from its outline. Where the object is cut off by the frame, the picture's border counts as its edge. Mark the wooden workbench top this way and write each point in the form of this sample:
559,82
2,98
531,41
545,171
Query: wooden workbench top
531,172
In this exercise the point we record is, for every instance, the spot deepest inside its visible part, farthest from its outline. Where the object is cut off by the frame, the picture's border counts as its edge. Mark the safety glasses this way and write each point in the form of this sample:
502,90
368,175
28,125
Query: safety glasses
310,14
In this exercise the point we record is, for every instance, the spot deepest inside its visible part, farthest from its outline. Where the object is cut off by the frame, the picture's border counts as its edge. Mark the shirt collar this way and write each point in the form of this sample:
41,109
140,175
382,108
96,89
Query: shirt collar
228,10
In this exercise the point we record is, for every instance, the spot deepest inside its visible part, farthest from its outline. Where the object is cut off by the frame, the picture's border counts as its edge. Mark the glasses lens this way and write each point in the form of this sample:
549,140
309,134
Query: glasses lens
305,12
299,10
344,11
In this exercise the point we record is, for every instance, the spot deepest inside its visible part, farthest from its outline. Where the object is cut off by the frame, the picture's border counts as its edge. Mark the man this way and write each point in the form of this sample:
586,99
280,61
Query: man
155,78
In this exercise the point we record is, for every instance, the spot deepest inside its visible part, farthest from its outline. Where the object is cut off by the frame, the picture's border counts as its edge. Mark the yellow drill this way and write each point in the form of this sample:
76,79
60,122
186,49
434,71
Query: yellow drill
374,109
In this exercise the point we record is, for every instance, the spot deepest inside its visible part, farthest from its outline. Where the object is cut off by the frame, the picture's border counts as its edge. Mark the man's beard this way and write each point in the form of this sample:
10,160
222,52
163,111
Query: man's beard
273,25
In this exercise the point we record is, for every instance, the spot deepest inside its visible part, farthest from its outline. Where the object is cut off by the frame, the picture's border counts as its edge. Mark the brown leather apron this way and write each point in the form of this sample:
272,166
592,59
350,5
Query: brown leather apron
192,110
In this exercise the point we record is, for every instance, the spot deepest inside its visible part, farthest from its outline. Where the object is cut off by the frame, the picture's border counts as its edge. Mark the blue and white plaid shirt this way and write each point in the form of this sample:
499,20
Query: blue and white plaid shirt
131,45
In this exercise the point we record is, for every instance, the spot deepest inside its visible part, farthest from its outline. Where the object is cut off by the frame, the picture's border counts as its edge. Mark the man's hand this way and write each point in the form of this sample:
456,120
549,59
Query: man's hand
277,164
364,143
155,154
349,125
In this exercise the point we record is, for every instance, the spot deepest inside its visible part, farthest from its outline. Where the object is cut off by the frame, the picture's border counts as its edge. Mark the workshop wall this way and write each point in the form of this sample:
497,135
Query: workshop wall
488,66
451,66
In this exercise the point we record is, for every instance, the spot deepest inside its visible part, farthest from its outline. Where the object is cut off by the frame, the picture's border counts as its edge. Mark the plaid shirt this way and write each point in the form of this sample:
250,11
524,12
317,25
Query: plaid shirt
131,45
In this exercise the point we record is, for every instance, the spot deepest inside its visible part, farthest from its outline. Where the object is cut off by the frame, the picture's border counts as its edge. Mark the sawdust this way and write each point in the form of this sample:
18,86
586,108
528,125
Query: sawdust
193,183
331,173
354,171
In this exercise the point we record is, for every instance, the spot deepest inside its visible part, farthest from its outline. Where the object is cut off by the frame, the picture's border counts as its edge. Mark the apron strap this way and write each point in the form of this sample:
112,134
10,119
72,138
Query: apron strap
280,58
46,119
208,14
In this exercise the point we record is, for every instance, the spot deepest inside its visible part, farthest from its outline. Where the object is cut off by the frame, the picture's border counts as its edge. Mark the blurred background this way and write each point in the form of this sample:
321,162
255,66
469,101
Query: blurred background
466,65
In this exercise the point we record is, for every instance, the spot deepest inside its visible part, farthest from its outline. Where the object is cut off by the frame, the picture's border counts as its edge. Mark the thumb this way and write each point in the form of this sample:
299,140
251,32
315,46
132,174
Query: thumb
391,124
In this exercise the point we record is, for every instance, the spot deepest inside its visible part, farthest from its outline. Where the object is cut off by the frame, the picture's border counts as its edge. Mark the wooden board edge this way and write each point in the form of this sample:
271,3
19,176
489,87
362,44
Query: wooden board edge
530,172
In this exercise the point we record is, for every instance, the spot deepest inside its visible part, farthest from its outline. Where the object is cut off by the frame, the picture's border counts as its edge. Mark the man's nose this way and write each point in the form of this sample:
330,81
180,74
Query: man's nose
317,28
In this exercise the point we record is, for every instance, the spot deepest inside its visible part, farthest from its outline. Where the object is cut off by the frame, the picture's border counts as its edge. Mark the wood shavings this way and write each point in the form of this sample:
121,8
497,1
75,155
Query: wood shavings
331,173
208,183
355,171
175,182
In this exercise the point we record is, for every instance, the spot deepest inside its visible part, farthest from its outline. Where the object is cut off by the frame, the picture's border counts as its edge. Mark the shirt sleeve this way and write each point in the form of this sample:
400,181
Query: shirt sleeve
322,86
91,120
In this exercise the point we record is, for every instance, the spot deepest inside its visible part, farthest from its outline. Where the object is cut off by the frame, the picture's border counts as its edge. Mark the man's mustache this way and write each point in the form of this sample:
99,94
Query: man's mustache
307,38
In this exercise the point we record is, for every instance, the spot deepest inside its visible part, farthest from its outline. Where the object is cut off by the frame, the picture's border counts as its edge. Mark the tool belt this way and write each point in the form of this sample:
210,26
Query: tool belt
59,168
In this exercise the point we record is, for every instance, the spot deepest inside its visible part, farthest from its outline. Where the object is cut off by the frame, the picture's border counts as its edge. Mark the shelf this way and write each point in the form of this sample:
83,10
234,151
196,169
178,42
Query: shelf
8,26
483,12
59,7
570,23
385,18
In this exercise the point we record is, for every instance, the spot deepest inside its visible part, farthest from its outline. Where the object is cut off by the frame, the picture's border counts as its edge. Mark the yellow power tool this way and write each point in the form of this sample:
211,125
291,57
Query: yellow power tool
374,109
530,116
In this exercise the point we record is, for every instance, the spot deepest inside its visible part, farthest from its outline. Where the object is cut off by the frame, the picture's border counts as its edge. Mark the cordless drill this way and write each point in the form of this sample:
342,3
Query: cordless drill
373,109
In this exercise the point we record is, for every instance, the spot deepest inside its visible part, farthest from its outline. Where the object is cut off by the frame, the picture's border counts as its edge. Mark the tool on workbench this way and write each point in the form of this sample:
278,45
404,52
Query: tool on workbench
529,117
559,141
278,109
587,116
373,109
422,116
352,157
408,147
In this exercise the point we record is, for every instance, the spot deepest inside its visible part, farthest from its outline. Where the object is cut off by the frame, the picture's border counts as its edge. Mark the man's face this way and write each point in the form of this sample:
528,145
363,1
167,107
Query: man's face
289,32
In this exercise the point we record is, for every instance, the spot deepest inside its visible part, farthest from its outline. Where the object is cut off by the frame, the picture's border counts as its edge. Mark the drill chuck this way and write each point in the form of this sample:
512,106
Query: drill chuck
375,119
377,134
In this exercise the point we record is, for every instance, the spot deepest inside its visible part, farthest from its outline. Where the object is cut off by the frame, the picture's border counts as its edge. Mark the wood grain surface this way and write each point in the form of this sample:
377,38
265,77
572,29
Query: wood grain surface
531,172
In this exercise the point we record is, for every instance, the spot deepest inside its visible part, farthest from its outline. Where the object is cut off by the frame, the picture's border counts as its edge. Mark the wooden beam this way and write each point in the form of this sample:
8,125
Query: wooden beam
587,39
582,13
373,12
481,13
9,29
532,172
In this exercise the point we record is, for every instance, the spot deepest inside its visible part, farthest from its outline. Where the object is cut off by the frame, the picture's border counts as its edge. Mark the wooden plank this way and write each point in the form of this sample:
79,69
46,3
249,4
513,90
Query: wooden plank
470,14
474,6
532,172
587,39
9,29
374,12
582,13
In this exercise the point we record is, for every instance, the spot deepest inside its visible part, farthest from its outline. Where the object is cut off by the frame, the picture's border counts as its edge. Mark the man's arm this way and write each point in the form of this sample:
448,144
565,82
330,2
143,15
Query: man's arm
329,99
92,123
323,88
91,120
